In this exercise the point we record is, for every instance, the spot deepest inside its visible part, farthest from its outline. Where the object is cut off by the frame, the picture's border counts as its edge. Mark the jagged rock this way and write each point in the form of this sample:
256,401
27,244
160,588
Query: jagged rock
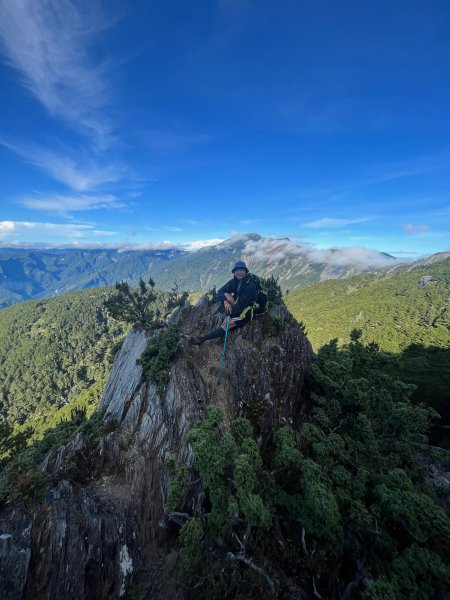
15,553
426,280
104,517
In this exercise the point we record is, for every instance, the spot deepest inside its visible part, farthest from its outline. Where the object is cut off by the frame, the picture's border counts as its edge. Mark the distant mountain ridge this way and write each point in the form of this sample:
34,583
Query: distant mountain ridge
28,274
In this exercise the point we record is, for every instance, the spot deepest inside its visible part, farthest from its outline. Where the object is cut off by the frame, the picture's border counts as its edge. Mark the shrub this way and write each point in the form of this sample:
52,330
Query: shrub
21,480
273,290
345,498
158,356
142,306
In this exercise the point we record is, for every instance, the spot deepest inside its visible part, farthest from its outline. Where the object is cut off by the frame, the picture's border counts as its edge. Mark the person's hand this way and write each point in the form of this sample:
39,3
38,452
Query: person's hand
227,307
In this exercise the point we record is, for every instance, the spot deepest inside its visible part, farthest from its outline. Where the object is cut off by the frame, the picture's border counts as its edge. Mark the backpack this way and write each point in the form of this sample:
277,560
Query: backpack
262,298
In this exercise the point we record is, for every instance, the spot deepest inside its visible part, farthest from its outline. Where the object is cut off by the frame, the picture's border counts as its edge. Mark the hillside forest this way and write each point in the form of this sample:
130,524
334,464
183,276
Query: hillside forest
406,313
53,350
350,495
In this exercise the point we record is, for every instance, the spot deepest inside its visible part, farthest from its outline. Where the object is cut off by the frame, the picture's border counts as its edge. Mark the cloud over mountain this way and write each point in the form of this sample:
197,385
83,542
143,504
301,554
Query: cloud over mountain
285,249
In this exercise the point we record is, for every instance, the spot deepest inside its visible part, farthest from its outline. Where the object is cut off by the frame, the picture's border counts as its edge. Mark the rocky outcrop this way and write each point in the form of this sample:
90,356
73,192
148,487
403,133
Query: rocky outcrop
426,280
104,516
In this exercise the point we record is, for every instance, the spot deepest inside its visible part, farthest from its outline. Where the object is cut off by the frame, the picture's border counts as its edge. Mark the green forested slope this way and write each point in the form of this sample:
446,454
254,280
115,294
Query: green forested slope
390,309
52,350
397,313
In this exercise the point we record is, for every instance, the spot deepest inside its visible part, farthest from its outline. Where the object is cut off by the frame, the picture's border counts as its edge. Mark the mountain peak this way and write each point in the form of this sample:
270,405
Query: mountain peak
239,240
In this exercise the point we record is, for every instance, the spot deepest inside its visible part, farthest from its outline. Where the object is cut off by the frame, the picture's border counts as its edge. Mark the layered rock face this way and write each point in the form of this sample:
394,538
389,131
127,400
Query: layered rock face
103,519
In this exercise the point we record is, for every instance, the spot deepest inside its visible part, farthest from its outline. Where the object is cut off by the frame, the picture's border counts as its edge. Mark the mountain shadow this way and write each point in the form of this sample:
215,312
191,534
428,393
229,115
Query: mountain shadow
428,368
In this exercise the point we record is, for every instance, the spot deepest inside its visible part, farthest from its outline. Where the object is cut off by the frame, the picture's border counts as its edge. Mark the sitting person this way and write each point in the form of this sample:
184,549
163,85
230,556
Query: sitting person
238,297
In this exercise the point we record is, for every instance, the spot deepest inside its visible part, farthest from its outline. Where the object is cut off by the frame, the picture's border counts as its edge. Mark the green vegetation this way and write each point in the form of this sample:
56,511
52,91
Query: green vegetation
20,478
14,439
53,350
394,311
391,309
159,354
343,505
142,307
54,358
146,309
177,487
273,290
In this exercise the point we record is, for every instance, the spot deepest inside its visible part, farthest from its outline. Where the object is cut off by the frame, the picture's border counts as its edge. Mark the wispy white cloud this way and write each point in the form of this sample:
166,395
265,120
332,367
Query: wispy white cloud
249,221
58,203
81,173
332,223
286,234
173,228
376,173
198,244
406,168
414,229
102,232
444,211
17,229
49,43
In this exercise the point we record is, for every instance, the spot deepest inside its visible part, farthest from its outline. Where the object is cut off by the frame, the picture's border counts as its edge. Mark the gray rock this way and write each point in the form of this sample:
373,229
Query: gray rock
104,516
15,553
426,280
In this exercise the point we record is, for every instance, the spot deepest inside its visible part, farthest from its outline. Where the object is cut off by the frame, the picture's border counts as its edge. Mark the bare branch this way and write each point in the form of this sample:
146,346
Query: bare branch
240,543
316,593
352,585
248,561
178,517
304,541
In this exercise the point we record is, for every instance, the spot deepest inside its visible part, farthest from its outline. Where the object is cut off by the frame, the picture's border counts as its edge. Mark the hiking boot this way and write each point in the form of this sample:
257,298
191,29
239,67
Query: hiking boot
196,340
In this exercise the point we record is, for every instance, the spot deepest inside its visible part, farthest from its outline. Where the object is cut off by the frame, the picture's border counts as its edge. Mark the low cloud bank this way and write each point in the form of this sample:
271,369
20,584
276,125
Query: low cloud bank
271,249
262,250
120,246
17,245
268,248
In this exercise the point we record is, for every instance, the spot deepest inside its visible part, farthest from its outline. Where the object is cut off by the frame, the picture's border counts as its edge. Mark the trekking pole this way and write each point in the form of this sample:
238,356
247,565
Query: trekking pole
222,356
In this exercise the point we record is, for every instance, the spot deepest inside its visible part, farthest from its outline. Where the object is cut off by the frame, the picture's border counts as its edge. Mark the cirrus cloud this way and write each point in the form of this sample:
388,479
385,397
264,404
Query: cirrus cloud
59,203
412,229
331,223
80,174
48,42
19,229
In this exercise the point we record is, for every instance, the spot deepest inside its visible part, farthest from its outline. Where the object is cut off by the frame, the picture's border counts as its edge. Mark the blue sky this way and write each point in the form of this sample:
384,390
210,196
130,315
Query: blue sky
181,123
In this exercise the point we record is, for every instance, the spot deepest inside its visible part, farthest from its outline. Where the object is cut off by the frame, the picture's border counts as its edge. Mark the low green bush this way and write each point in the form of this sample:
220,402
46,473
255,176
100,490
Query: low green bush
159,354
342,504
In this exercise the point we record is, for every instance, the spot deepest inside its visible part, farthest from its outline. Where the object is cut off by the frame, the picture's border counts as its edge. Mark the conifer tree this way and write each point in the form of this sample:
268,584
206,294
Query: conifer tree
142,307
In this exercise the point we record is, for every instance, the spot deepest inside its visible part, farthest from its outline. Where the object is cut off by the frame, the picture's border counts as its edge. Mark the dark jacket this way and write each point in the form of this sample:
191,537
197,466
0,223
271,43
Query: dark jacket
244,292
